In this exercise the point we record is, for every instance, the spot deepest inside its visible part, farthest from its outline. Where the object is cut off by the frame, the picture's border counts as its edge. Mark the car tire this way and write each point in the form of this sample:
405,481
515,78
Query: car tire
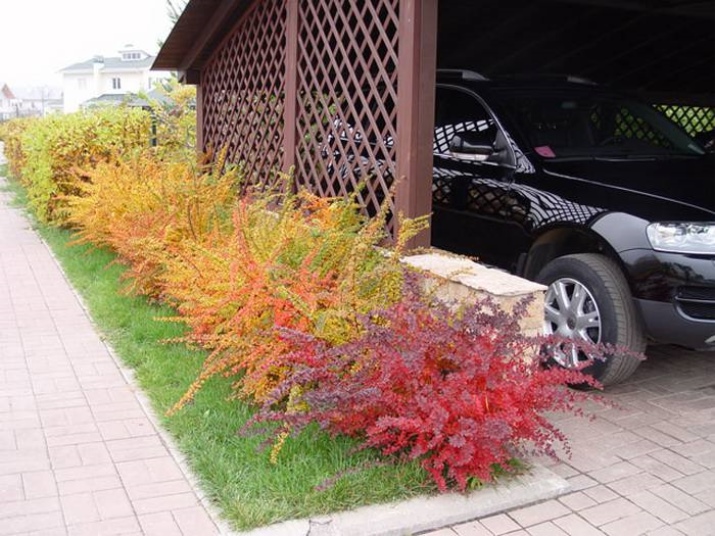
588,298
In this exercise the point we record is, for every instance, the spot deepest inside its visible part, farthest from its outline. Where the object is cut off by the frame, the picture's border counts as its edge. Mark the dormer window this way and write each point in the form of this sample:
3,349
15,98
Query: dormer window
131,56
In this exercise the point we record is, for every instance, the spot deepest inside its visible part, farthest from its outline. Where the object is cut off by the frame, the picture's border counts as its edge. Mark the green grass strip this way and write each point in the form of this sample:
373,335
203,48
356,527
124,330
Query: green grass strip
235,473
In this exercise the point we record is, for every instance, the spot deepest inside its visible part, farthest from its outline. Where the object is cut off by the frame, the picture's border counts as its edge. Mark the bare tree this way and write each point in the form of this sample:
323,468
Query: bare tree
175,8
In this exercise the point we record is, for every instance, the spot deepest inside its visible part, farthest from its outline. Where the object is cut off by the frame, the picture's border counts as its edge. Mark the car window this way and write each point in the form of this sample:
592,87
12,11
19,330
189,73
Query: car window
457,111
591,125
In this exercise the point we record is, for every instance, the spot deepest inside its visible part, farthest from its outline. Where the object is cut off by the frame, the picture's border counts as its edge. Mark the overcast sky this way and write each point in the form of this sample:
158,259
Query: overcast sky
40,37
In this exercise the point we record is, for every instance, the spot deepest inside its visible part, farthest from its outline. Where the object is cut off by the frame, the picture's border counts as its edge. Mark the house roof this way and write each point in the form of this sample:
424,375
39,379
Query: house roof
7,92
113,64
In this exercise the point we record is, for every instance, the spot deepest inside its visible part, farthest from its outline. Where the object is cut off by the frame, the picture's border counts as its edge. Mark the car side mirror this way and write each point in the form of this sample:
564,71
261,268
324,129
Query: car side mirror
473,145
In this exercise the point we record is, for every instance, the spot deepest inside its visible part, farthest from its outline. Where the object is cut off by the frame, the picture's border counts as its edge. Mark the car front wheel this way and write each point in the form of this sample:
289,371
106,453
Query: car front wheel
588,299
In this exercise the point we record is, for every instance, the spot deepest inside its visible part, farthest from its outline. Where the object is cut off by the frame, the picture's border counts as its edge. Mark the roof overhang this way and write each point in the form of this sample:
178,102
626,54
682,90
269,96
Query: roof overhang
658,46
201,27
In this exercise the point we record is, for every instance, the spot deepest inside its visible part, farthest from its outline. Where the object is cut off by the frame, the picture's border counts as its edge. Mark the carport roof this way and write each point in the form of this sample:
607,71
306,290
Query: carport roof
664,47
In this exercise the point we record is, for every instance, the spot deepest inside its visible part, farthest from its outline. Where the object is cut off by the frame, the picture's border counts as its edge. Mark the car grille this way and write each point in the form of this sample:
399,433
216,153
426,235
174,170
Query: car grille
697,302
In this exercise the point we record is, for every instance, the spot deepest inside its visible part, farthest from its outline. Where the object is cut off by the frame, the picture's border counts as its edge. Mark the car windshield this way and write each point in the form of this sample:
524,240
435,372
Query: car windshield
561,126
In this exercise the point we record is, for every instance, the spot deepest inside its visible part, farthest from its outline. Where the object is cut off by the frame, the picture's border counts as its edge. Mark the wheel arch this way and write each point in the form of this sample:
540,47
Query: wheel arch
560,241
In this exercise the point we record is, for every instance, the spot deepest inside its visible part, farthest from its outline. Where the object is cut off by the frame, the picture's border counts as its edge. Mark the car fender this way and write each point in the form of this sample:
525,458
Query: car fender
622,231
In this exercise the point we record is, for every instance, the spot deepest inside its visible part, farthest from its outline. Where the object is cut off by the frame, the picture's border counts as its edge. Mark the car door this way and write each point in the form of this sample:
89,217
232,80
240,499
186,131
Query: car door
476,211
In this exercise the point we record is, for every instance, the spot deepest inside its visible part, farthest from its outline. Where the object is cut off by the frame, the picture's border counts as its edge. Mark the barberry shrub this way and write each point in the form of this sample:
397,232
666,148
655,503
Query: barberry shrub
464,393
56,147
292,261
11,135
143,207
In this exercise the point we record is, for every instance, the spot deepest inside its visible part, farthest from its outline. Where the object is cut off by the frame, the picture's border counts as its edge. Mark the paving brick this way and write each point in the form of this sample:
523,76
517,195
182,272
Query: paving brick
113,504
28,507
678,462
615,472
79,509
699,525
39,484
165,503
546,529
696,483
577,501
472,529
42,523
499,524
195,521
610,511
665,531
679,499
539,513
159,524
632,525
635,483
601,493
85,472
11,489
158,489
656,467
576,526
658,507
124,526
89,484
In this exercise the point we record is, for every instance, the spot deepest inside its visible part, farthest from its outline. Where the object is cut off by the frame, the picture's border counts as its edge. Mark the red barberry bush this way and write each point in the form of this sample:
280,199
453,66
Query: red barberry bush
462,393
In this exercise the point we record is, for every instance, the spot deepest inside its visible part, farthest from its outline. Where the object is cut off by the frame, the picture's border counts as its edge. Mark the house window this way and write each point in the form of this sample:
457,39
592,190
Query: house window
116,83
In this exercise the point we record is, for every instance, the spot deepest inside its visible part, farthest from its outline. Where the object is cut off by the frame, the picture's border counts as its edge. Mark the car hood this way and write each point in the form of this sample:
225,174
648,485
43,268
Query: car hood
686,183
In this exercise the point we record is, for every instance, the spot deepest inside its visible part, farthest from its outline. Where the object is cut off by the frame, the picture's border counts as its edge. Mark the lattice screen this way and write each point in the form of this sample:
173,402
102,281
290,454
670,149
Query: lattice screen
243,92
347,91
694,119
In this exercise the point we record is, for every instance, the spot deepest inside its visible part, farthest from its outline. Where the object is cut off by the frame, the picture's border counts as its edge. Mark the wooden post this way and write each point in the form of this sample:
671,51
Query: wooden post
415,109
290,107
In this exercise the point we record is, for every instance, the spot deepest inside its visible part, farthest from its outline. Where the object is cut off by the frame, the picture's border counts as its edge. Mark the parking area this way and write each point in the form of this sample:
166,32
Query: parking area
646,465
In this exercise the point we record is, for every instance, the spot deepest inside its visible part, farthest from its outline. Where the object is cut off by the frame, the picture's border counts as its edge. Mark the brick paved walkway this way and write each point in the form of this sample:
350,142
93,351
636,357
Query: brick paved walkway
78,453
646,467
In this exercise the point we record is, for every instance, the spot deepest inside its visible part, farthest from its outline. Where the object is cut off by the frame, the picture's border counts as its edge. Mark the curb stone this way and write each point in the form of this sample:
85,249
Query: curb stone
427,513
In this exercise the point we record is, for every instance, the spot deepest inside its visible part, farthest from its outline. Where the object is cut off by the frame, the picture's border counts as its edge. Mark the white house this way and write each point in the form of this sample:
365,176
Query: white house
9,103
130,72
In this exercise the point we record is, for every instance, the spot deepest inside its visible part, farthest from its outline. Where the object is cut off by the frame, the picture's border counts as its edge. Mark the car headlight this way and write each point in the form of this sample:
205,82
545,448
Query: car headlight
683,237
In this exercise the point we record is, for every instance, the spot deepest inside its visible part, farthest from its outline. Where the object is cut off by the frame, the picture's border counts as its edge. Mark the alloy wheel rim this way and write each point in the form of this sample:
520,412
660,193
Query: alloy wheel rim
571,311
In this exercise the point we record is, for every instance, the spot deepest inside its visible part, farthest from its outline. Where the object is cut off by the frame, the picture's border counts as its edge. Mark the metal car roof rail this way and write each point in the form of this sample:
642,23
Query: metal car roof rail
464,74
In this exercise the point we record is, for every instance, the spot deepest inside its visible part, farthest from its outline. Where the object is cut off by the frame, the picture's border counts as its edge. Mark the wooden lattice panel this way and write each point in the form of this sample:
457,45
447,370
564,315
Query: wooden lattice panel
243,92
694,119
347,93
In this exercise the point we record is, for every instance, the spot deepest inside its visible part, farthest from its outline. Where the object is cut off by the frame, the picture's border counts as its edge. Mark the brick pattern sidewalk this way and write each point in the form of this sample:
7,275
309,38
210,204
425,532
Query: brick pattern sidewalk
645,467
79,455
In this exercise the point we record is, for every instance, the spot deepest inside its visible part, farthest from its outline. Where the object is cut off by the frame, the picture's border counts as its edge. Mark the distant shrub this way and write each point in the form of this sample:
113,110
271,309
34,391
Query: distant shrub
11,133
174,120
57,147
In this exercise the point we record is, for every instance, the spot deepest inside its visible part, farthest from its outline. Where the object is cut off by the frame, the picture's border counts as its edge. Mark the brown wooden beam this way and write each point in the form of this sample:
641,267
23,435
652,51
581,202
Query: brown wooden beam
415,109
217,23
200,148
290,109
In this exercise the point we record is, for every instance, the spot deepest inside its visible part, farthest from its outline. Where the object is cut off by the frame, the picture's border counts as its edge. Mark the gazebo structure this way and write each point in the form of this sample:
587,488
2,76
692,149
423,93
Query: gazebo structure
341,92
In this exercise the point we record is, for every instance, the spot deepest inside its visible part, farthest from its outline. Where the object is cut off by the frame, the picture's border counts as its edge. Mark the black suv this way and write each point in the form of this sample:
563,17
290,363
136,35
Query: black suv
596,195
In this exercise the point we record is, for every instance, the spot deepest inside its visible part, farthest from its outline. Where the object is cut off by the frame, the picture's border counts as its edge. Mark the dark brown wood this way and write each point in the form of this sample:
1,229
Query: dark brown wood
218,20
415,109
291,86
200,147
